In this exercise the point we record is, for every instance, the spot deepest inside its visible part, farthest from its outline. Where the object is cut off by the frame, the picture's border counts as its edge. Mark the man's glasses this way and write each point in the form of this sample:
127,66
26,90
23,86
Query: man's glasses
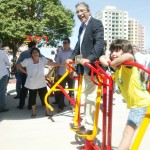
81,11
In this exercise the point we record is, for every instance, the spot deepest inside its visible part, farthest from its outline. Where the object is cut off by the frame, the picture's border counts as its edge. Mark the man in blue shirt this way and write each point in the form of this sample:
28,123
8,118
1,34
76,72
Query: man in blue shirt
61,58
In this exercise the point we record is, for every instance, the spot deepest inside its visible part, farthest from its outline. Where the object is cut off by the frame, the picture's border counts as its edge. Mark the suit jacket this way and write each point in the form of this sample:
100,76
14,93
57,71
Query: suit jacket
92,45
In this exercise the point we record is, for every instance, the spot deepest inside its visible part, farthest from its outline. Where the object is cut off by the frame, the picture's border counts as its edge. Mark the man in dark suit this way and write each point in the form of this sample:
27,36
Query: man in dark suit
90,45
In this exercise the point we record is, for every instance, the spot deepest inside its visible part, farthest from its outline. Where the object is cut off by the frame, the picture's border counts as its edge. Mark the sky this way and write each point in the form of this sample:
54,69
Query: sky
137,9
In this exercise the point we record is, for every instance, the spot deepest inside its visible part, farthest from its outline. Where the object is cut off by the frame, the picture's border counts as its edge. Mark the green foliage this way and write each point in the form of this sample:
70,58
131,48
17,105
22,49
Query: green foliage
34,17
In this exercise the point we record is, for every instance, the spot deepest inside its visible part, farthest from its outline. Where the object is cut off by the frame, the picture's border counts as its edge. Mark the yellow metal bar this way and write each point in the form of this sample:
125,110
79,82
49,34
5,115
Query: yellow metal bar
77,106
96,117
66,89
53,89
73,89
49,75
142,130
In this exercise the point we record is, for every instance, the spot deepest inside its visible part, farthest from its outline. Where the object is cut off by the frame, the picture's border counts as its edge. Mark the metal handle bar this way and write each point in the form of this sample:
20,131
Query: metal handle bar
131,63
98,74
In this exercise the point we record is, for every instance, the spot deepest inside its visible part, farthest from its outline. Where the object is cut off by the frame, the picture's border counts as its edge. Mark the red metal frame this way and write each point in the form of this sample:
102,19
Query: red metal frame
107,104
107,84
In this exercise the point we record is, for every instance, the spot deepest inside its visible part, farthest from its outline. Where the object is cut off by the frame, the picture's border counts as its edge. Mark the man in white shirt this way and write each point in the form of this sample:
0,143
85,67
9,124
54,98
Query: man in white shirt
7,51
62,56
139,57
4,62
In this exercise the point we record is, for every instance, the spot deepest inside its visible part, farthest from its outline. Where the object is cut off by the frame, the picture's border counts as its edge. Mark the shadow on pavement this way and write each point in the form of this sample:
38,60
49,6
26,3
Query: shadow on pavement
21,114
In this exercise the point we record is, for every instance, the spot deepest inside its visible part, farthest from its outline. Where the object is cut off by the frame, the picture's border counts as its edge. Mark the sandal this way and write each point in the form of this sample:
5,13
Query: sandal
33,115
47,114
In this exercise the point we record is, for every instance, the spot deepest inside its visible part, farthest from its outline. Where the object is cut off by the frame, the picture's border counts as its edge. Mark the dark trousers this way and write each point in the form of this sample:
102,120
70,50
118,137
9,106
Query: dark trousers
33,92
18,82
23,93
60,96
8,78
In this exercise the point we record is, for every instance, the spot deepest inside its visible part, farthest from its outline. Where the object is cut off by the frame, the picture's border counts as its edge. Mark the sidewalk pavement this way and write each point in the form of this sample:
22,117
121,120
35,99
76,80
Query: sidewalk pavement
18,131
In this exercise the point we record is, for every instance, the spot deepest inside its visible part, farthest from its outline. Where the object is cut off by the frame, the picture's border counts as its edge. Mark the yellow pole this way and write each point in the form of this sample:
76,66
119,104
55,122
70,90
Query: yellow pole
53,89
142,130
96,116
77,107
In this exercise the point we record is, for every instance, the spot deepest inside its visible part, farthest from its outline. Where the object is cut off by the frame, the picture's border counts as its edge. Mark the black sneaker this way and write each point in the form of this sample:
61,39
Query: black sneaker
20,107
4,110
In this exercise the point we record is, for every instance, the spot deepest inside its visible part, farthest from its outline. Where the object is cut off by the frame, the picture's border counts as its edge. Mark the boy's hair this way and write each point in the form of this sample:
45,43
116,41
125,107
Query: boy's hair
122,44
34,48
66,39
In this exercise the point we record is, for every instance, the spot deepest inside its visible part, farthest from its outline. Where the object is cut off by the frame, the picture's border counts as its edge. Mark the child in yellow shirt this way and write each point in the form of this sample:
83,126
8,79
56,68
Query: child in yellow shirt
130,86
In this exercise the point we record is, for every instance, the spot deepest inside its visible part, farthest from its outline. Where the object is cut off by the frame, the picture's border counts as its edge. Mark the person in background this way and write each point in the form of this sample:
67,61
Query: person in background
59,48
62,56
89,47
128,80
7,50
24,55
141,59
19,74
4,62
107,51
35,81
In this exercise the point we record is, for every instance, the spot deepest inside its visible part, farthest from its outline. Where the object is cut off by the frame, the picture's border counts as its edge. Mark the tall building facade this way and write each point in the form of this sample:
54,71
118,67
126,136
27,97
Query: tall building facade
133,31
115,23
141,37
118,25
136,33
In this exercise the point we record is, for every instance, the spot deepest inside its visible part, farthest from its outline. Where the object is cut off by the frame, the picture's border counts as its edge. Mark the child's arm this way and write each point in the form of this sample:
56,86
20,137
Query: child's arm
104,60
121,59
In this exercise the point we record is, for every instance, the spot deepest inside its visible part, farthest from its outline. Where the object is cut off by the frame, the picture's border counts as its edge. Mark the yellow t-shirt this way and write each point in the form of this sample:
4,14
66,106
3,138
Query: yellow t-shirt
131,88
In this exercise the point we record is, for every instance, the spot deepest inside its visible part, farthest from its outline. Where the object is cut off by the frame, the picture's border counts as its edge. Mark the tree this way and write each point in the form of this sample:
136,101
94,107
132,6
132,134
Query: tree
34,17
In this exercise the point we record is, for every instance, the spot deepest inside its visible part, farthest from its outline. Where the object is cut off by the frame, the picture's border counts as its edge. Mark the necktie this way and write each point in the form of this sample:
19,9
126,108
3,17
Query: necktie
80,30
80,69
80,36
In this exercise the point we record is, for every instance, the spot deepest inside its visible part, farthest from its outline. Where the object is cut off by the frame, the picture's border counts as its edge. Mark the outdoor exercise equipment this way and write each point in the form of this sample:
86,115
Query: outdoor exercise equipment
105,85
105,89
50,79
57,87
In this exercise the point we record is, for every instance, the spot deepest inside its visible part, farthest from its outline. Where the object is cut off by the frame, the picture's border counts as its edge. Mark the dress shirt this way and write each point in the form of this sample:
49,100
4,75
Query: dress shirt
61,58
83,31
4,62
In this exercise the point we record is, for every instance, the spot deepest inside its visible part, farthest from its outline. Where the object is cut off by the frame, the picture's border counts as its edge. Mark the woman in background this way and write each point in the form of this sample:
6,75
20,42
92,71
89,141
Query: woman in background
34,68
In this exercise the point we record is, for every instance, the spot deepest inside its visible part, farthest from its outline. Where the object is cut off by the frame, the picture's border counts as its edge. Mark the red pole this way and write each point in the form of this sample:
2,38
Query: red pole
104,121
110,104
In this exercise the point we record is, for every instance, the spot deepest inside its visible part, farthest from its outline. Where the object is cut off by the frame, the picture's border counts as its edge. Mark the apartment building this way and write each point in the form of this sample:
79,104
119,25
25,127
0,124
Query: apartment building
141,43
136,33
115,23
118,25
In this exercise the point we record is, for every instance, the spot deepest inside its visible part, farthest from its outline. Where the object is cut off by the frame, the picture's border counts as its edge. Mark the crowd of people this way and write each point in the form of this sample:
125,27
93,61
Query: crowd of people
89,48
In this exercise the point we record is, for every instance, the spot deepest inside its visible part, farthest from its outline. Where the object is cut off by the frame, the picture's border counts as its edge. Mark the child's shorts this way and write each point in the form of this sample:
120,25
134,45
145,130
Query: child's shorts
136,115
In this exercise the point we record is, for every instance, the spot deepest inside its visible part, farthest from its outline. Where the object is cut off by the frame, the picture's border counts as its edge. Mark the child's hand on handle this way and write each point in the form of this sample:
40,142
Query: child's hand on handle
105,61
